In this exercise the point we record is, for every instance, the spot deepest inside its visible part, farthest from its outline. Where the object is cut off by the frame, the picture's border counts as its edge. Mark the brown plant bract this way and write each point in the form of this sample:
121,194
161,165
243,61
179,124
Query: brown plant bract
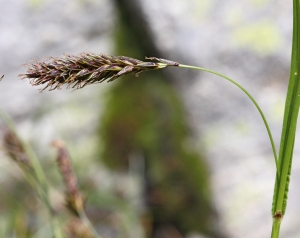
87,68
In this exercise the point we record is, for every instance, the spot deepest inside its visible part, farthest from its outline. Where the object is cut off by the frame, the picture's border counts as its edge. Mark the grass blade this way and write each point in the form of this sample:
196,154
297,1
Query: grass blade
288,129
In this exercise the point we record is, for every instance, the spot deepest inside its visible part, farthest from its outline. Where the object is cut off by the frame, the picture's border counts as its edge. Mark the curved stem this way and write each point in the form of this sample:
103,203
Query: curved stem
251,98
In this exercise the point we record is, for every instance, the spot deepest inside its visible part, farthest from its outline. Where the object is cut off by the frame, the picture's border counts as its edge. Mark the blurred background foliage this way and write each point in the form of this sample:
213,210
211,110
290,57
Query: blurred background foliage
160,155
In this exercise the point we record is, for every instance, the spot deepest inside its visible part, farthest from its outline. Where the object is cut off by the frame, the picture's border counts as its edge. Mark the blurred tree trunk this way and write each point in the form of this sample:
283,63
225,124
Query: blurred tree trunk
145,115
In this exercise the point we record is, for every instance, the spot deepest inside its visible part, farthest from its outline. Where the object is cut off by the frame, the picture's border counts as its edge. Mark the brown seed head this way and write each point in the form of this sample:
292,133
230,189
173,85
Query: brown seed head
74,200
15,150
87,68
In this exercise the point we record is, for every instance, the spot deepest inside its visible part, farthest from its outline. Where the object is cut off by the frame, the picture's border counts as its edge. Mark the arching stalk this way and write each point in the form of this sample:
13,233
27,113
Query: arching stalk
251,98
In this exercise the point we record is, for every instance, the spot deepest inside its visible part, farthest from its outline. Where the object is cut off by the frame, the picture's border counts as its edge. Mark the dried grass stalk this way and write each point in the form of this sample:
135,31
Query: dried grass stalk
87,68
74,200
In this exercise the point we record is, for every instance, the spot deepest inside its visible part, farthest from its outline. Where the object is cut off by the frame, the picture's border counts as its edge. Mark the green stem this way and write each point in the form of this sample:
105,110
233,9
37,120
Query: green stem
289,127
276,228
251,98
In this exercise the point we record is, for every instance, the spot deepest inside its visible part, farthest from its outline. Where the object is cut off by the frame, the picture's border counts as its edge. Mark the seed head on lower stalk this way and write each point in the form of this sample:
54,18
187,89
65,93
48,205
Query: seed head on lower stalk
74,200
15,150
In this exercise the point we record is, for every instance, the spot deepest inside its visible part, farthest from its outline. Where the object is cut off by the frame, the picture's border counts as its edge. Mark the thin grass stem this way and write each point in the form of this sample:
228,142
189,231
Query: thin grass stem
251,98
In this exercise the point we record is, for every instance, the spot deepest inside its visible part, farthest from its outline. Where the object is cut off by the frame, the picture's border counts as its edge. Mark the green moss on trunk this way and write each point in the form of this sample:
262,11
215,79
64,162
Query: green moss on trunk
146,115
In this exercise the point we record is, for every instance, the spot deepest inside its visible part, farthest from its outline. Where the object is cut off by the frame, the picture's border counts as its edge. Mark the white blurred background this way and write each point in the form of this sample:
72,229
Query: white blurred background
249,41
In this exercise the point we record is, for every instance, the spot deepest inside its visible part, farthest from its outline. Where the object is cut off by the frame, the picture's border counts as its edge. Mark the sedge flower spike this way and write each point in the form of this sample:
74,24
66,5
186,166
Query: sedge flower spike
74,200
87,68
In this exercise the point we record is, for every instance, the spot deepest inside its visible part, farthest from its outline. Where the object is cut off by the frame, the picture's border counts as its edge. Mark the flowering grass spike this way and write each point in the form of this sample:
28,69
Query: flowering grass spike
15,150
87,68
74,200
